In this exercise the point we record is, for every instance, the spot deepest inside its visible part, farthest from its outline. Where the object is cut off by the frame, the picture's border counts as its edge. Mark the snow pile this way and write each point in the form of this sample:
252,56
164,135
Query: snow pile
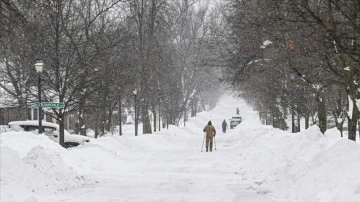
305,166
34,164
3,129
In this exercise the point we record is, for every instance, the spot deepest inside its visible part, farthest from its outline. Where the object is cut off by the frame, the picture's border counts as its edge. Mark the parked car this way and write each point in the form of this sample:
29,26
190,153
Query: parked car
234,121
51,130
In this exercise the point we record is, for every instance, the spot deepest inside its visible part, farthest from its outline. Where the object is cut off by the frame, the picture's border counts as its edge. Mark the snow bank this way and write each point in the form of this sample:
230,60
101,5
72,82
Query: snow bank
3,128
38,164
306,166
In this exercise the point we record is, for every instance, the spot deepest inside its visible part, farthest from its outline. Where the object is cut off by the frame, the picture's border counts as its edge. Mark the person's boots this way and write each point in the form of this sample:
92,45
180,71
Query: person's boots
206,149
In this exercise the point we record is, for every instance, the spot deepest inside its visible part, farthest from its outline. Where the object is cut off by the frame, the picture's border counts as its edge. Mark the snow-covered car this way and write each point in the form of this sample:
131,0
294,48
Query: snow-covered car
234,121
51,130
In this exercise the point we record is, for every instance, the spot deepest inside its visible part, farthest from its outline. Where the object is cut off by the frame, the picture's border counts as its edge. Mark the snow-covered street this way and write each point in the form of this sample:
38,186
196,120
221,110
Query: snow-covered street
252,162
164,174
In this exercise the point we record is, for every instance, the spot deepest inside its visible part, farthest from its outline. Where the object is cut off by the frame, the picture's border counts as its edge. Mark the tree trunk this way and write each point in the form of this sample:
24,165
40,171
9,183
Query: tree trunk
321,113
103,121
146,120
154,123
185,117
292,120
358,128
159,117
298,124
120,118
352,96
352,121
81,129
307,120
62,129
340,128
193,109
97,125
352,129
108,120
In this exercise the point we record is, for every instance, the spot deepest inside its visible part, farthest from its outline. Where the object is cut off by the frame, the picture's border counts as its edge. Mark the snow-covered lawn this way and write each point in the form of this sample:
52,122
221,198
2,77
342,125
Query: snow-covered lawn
252,162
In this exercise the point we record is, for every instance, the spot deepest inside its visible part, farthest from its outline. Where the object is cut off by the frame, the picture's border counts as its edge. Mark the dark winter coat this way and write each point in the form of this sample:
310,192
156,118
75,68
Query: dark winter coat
224,124
210,130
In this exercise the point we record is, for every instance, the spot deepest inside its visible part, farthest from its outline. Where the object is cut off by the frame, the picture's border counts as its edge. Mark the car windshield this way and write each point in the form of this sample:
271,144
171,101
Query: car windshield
48,130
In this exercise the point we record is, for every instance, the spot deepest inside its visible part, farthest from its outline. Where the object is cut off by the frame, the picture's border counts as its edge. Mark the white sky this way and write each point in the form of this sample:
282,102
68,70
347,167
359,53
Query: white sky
252,162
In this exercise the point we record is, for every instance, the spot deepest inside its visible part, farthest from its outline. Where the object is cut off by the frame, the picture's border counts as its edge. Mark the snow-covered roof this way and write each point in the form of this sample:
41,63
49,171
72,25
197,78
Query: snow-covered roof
34,123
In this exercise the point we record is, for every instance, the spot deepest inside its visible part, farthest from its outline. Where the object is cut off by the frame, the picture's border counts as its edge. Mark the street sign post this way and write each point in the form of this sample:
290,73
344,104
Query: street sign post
48,105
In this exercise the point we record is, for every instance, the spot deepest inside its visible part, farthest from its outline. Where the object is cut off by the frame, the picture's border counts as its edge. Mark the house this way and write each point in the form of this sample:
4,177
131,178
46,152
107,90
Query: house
8,114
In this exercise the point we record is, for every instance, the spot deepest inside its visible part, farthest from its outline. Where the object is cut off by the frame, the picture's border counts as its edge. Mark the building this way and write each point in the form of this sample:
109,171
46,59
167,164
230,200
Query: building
8,114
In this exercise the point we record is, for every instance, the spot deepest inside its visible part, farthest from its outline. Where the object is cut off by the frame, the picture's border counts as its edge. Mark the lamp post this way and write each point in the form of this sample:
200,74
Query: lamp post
136,124
39,68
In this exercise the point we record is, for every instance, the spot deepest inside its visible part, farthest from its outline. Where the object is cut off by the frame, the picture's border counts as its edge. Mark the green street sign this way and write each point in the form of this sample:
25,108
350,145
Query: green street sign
52,104
48,105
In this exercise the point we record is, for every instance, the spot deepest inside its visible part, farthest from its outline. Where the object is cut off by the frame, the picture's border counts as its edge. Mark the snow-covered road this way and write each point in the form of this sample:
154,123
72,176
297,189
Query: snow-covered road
182,174
172,168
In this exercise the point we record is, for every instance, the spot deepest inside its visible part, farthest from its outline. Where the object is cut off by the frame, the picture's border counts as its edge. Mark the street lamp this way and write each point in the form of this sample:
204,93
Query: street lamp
39,65
136,124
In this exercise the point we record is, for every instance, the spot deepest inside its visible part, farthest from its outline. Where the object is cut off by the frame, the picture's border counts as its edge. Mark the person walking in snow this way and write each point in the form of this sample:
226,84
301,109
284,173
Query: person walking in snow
210,134
224,126
237,111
